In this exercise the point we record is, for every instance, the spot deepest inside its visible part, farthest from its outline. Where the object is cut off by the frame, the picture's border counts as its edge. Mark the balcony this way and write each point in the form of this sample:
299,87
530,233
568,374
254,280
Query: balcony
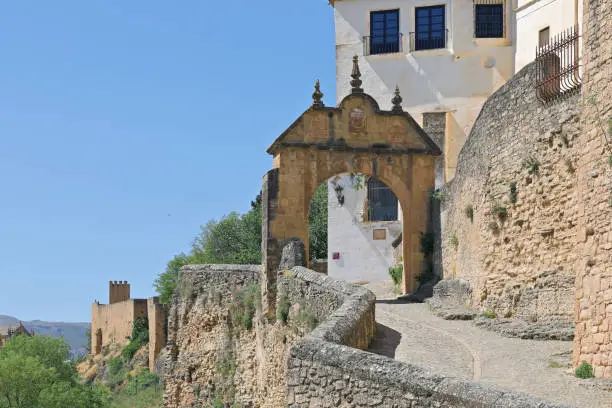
428,40
383,45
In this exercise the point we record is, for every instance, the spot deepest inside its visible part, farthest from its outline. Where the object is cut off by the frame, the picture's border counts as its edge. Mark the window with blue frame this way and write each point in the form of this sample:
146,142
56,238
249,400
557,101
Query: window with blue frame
384,32
430,28
489,20
382,203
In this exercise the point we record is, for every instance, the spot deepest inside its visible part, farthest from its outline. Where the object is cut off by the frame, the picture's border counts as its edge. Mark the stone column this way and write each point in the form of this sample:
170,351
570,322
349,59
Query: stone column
270,251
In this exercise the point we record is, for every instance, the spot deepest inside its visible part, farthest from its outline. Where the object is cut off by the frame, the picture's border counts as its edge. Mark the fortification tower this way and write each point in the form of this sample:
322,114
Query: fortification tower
118,291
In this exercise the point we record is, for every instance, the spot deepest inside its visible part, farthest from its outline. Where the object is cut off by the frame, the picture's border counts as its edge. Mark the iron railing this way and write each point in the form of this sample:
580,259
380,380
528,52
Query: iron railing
558,66
383,44
489,18
429,40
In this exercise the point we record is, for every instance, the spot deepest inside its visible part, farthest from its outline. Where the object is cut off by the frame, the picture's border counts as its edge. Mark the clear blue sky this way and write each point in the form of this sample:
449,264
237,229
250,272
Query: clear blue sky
125,125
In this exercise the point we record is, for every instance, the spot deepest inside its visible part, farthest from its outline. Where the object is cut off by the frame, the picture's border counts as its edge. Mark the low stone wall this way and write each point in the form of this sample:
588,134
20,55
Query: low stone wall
270,365
328,369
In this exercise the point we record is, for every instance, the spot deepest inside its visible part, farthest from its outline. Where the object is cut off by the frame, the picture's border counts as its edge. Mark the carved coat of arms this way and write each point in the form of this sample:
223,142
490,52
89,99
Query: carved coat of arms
357,120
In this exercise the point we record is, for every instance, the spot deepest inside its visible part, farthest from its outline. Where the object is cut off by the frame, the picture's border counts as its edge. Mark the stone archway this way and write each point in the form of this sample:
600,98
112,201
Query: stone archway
355,137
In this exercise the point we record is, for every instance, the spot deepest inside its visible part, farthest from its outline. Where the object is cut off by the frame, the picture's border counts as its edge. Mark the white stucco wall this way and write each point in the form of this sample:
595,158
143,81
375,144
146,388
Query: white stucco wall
361,257
535,15
457,79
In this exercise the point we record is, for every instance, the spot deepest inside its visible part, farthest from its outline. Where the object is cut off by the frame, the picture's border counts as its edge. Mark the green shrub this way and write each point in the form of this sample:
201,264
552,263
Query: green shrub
489,314
128,351
584,370
140,330
501,212
454,241
243,307
282,310
397,274
531,164
145,379
116,373
305,318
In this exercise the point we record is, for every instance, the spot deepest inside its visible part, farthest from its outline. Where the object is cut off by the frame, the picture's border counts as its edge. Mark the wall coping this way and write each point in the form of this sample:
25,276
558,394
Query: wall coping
325,344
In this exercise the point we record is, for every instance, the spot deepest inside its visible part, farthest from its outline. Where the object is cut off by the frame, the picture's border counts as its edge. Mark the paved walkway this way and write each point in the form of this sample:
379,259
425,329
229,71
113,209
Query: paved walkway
410,333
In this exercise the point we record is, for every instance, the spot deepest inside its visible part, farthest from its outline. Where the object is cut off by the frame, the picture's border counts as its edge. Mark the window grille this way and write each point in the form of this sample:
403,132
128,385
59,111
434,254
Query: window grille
558,66
430,29
384,37
382,203
489,19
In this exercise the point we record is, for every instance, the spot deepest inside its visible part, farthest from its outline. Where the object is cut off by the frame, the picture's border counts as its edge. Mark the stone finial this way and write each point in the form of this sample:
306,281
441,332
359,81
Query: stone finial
317,96
397,101
356,74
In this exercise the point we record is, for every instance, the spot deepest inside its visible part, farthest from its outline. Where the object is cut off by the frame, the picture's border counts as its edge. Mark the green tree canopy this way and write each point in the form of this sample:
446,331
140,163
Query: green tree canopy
236,239
36,372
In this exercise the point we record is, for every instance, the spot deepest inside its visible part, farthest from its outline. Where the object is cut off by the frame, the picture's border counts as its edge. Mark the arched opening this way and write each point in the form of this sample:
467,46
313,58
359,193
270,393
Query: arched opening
354,219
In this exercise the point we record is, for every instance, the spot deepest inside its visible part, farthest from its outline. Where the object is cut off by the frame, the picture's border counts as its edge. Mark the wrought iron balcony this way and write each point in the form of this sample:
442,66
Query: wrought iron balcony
389,44
558,66
428,40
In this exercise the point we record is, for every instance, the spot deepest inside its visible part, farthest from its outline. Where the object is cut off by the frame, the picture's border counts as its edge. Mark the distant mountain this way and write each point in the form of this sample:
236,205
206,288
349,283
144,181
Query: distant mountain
73,333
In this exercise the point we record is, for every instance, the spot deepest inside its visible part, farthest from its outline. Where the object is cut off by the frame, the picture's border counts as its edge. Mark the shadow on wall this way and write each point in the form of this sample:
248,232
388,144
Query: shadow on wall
385,341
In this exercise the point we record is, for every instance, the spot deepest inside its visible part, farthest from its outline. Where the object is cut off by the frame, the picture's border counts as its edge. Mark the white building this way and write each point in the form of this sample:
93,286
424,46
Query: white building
447,57
537,21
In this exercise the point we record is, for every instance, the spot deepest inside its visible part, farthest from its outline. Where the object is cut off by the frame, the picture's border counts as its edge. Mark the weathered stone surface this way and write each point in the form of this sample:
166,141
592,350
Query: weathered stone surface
293,254
509,214
593,304
450,300
544,329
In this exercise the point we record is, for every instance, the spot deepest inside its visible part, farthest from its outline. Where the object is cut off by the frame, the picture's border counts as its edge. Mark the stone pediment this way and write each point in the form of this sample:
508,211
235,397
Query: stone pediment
357,124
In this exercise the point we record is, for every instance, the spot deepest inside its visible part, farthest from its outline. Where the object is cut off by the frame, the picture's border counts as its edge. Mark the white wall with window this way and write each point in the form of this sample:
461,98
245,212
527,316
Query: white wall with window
361,229
445,56
540,20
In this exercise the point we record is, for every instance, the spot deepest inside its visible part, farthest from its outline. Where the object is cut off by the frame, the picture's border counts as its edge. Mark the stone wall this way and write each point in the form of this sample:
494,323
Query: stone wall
508,217
593,307
116,320
207,358
328,369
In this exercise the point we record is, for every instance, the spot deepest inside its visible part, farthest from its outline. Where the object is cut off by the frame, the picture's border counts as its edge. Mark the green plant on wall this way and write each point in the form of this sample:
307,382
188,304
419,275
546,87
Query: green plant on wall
501,212
531,164
584,370
396,273
454,241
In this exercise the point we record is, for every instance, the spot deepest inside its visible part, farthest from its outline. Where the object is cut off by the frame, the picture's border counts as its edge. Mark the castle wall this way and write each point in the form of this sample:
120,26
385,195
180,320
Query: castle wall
157,330
520,159
116,320
593,305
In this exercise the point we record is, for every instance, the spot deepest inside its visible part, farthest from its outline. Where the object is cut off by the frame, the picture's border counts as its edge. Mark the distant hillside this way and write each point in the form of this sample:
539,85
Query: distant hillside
73,333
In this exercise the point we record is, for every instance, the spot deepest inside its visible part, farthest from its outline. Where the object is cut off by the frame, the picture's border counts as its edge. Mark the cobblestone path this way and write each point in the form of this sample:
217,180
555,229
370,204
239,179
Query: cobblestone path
409,332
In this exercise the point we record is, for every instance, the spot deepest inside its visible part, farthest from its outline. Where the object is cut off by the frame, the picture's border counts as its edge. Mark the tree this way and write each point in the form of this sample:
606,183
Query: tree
317,223
166,281
36,372
235,239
